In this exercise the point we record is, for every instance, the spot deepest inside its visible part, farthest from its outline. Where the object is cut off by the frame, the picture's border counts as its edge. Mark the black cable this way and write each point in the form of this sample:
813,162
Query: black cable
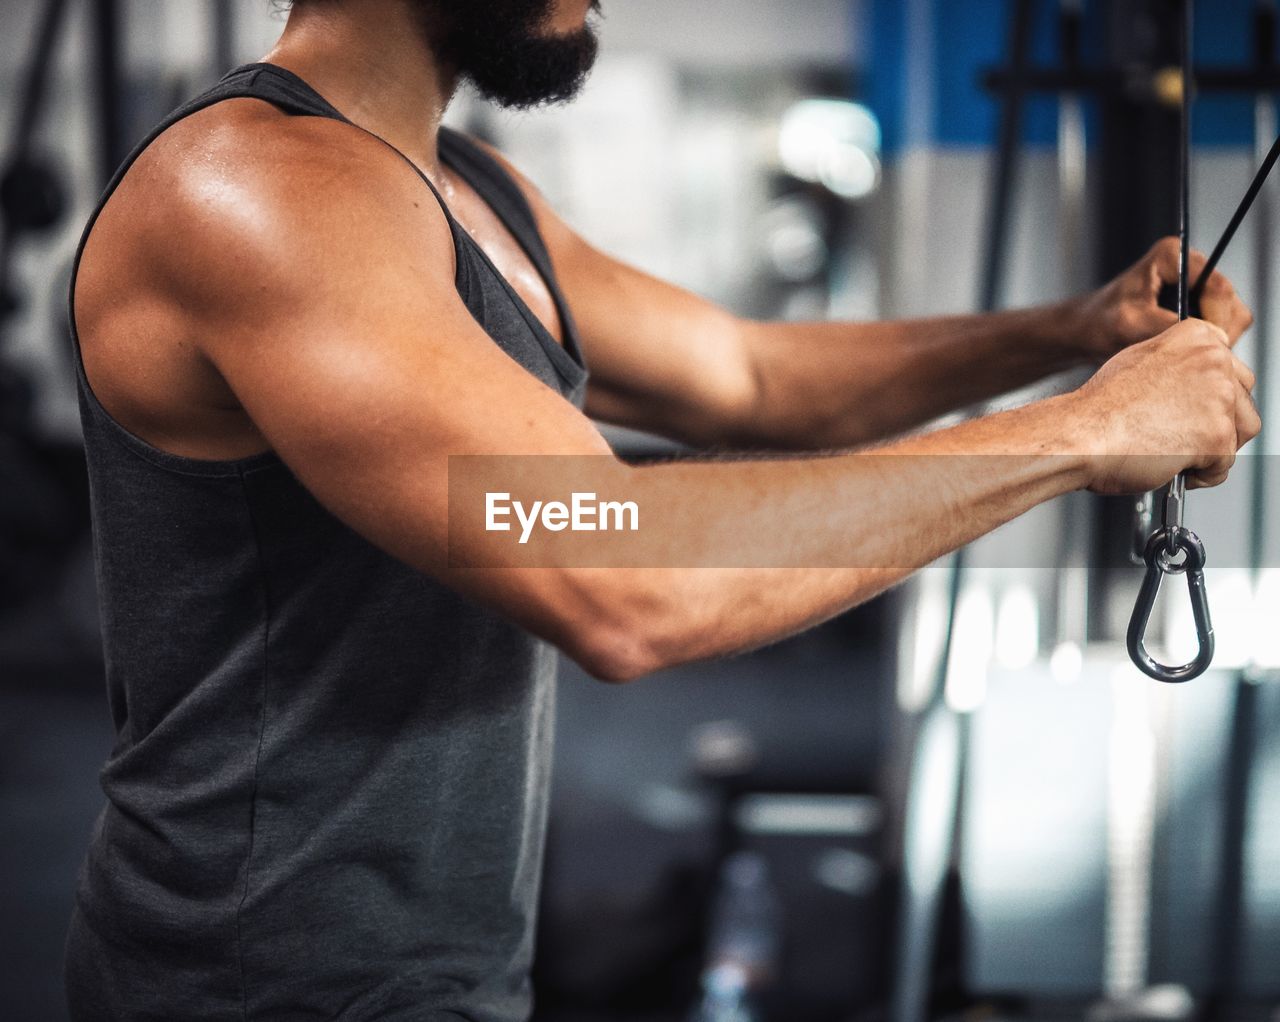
1184,156
1173,535
1264,41
1259,179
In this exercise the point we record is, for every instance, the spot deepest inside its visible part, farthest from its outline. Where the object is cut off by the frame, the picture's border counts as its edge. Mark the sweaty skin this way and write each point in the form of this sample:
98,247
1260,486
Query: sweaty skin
266,282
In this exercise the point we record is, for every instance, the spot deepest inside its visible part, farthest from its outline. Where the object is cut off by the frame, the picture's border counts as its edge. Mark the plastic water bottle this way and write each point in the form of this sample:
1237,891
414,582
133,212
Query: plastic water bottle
743,951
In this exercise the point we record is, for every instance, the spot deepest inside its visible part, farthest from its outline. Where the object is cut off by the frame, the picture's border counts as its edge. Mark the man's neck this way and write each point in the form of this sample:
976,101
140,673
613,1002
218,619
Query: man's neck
371,60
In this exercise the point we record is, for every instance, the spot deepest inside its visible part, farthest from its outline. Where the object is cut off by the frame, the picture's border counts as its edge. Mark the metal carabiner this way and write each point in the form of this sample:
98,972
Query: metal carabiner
1159,561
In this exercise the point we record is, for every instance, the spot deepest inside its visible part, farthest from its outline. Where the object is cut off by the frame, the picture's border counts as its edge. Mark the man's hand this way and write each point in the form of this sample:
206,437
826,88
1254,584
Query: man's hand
1178,402
1127,310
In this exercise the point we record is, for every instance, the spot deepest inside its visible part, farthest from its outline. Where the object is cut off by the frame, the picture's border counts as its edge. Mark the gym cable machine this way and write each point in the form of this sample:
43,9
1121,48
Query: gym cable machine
941,738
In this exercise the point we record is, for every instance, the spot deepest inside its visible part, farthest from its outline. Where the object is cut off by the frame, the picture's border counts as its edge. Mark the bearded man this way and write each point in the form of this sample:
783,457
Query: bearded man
298,300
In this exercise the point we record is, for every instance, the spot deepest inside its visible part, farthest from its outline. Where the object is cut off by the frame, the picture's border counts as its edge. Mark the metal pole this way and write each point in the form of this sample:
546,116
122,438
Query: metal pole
1006,163
35,85
109,91
224,36
1228,940
1071,593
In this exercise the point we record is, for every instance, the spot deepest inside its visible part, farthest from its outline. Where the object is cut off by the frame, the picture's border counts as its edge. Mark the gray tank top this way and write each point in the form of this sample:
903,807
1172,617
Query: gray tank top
328,791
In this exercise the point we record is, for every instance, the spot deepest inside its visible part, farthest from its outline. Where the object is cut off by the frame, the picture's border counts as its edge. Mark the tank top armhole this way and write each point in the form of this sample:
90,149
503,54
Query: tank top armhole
114,430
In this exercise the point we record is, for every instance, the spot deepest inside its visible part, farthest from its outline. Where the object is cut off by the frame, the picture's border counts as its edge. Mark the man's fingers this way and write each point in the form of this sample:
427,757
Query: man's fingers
1166,258
1232,317
1203,479
1221,305
1211,470
1219,302
1248,421
1157,319
1214,469
1163,260
1248,379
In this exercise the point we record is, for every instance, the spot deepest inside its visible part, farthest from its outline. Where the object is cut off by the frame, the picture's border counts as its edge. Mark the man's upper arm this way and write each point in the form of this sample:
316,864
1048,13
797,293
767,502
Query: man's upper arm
661,358
323,293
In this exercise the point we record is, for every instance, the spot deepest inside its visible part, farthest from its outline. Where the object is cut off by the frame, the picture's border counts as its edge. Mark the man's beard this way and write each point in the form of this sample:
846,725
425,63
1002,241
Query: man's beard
500,46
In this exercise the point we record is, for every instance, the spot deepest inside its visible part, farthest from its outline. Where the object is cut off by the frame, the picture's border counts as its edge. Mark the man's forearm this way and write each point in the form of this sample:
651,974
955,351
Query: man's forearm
831,385
848,527
731,555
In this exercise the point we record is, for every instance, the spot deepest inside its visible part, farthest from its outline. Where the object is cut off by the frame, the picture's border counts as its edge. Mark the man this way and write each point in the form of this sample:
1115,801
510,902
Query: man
333,699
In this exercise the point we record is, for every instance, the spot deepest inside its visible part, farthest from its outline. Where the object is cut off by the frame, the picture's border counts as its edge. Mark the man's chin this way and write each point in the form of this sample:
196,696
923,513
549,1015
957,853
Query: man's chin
544,73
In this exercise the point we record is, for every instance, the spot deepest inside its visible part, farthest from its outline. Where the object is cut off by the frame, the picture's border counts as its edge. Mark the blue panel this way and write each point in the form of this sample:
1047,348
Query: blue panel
961,40
972,38
1223,35
883,55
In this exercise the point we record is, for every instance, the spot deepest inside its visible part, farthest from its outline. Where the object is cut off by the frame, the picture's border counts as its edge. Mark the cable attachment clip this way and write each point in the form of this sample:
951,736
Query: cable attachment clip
1172,551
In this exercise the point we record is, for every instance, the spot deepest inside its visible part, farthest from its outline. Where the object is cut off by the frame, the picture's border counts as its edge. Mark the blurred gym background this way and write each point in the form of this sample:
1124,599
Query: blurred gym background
959,801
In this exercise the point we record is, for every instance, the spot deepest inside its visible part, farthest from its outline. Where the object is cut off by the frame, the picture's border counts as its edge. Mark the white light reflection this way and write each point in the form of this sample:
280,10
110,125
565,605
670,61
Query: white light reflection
1265,626
971,648
1130,828
921,644
832,142
1233,610
1017,628
1066,663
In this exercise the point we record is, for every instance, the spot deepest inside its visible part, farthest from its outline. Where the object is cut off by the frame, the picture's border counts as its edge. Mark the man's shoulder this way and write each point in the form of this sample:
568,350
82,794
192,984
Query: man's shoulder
241,188
243,158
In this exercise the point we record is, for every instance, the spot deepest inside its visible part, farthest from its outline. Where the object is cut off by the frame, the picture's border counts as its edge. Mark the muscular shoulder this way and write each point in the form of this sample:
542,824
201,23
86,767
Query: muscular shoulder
242,198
